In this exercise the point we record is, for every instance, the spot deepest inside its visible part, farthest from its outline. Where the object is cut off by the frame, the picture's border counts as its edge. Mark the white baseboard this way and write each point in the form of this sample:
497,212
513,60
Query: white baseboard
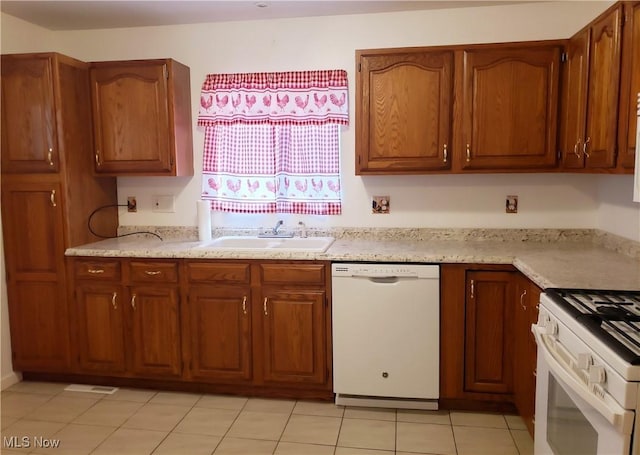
10,379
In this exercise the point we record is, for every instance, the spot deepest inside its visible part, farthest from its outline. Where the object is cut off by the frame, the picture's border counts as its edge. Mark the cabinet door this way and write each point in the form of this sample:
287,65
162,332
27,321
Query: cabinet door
602,102
100,327
220,332
488,337
29,137
294,336
403,113
155,331
630,86
131,118
509,112
525,349
573,107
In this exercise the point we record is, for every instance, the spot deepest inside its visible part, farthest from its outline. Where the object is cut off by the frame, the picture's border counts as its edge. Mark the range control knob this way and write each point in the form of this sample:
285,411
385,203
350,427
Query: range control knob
584,361
597,374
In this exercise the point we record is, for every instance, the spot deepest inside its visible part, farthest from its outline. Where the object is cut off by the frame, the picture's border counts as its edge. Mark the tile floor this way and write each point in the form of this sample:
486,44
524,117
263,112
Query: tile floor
141,422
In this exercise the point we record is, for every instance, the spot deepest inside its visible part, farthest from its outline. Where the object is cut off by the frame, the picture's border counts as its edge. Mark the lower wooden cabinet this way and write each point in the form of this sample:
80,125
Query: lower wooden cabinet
127,325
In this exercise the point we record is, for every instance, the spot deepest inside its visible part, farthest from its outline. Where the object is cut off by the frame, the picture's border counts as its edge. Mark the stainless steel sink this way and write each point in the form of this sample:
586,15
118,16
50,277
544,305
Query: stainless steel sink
252,243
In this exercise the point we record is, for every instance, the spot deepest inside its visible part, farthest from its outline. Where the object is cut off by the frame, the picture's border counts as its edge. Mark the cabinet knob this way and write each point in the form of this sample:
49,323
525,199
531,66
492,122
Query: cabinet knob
50,156
385,374
468,153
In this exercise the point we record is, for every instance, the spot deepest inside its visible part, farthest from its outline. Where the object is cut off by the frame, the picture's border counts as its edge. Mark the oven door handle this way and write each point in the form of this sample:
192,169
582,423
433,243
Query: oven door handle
615,414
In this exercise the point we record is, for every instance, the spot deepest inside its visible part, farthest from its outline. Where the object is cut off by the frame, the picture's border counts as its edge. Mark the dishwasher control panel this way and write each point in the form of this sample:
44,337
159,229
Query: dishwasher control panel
386,270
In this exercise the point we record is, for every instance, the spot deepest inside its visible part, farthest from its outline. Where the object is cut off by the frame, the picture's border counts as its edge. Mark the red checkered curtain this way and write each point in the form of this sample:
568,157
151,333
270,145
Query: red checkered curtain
272,141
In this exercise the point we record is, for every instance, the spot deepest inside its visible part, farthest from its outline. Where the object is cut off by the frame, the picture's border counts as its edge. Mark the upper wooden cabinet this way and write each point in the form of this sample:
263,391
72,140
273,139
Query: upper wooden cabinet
509,107
629,86
29,126
403,110
142,118
590,87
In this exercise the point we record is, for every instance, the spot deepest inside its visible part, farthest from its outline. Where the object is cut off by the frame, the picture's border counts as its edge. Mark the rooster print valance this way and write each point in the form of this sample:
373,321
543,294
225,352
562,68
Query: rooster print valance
280,98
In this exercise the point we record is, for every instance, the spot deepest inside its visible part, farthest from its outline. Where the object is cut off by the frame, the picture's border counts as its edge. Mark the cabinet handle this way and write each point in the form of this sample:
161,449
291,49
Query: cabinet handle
524,293
468,153
445,153
152,272
584,147
50,156
53,198
133,301
98,162
575,149
244,305
95,271
114,301
264,306
473,289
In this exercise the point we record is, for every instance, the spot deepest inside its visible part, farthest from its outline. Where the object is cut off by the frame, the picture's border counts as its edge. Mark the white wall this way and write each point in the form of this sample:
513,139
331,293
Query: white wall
617,213
330,42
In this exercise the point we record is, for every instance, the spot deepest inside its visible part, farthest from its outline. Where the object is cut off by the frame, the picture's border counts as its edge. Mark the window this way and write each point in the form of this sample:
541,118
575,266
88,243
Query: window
272,141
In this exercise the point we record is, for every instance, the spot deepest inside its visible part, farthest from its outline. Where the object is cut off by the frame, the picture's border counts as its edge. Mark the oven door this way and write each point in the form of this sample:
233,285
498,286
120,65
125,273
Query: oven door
570,419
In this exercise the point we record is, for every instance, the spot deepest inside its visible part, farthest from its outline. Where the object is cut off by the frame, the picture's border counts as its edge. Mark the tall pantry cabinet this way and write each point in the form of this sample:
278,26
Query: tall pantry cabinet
48,192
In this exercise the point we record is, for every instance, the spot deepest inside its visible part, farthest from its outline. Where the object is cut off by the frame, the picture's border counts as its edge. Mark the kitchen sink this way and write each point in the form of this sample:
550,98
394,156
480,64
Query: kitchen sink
252,243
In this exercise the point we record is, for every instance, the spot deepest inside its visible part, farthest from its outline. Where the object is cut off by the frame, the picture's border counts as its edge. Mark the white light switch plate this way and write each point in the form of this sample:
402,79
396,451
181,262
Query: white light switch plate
163,203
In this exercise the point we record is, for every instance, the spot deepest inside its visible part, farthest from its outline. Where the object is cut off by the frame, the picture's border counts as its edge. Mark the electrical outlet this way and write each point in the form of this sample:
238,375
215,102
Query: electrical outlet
132,204
163,203
511,205
381,204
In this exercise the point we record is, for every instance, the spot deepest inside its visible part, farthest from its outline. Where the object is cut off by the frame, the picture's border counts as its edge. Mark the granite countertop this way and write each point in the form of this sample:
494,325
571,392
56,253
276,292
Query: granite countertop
578,262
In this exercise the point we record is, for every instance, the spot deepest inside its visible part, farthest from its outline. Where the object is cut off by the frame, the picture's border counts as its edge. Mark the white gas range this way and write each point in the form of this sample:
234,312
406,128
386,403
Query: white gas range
588,373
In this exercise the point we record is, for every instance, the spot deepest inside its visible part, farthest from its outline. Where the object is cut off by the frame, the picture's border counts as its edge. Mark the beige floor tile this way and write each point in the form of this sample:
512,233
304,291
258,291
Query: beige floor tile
109,413
367,434
5,421
352,412
125,441
312,430
137,395
354,451
19,405
62,409
161,417
78,439
484,441
221,402
524,441
269,405
515,422
294,448
25,431
237,446
206,421
258,425
477,419
42,388
317,408
175,398
417,416
187,444
425,438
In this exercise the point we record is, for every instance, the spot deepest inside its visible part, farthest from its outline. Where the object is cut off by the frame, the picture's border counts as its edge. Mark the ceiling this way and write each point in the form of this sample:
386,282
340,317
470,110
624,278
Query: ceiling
84,15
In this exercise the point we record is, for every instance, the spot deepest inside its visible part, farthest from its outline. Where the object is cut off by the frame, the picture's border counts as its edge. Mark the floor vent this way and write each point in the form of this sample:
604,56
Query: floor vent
91,389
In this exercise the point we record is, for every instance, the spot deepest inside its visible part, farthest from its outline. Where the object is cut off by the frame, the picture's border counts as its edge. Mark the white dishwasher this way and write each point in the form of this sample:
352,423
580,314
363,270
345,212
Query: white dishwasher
386,335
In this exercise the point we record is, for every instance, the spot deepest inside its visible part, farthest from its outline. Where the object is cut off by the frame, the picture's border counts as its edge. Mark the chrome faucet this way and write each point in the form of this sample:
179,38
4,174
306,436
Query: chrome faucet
277,226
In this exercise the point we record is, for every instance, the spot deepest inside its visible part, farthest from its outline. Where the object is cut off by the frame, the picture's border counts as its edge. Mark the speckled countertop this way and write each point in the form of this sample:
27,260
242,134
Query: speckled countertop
550,258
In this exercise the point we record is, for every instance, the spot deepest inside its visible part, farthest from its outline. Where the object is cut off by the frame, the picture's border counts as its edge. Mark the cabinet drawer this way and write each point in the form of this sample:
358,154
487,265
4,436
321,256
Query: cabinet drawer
97,270
158,272
293,273
228,273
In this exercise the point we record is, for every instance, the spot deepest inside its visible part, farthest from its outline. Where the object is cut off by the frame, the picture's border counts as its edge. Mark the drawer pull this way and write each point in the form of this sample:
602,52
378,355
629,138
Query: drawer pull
575,149
133,301
152,272
95,271
468,153
524,293
114,300
445,153
264,306
98,162
584,147
244,305
53,198
473,289
50,156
